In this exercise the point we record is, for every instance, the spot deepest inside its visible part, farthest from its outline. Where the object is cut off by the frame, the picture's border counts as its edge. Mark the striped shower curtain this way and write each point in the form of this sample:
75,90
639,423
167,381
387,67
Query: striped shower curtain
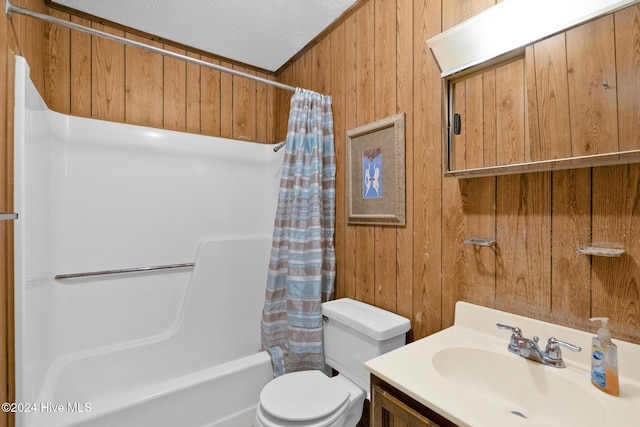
302,266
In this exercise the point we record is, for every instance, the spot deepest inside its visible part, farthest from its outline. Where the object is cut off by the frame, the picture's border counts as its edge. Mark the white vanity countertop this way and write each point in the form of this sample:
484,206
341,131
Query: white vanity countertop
466,374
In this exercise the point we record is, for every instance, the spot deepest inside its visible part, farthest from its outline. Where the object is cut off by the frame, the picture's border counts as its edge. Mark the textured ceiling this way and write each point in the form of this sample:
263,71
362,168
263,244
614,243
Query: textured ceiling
261,33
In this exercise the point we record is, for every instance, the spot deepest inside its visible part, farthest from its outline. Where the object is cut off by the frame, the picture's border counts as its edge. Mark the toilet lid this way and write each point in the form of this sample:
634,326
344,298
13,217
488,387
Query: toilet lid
302,396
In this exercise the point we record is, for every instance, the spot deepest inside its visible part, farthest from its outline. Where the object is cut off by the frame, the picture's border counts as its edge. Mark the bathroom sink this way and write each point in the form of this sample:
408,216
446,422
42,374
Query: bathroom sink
522,388
466,374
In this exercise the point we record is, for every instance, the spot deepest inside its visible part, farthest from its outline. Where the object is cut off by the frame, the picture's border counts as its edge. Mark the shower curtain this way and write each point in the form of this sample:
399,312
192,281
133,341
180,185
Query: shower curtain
302,266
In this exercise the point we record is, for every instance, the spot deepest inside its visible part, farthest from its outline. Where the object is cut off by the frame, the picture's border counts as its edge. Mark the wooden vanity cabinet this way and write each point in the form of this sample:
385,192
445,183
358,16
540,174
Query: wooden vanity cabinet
392,408
570,100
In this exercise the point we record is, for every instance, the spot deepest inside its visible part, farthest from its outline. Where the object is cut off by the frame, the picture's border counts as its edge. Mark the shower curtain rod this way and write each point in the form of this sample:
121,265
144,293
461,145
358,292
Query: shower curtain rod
68,24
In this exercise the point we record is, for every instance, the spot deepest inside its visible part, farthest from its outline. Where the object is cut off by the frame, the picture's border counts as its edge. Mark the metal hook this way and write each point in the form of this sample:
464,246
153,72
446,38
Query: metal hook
279,146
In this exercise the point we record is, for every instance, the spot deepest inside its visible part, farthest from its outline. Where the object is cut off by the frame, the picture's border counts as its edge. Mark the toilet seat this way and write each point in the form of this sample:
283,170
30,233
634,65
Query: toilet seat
307,398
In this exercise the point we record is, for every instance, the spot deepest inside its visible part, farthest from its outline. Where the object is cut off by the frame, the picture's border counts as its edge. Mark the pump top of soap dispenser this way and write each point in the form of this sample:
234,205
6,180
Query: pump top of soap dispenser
603,332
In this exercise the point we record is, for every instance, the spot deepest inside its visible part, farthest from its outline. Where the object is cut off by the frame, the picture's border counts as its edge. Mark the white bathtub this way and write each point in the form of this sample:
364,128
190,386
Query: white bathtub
204,371
163,348
223,395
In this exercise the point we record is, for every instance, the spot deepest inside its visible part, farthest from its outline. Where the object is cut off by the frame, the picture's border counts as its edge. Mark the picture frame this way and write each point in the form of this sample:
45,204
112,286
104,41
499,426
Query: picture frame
375,173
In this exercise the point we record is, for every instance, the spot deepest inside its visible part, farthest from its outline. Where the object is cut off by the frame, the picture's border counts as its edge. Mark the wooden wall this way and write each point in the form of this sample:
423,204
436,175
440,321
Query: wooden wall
376,64
103,79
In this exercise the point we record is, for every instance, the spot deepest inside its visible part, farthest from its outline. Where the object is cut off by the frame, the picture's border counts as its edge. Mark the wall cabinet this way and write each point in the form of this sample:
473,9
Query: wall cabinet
570,100
392,408
487,120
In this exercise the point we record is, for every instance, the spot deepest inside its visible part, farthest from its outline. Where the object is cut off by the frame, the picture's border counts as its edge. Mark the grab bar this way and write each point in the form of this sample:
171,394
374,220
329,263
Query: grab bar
123,270
8,216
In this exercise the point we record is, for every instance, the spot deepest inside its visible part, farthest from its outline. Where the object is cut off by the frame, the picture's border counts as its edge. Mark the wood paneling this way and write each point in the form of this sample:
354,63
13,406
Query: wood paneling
95,77
428,310
351,278
210,99
365,265
107,77
474,122
143,85
523,234
194,96
591,61
242,119
226,107
627,24
81,75
537,219
489,109
337,59
510,111
58,92
571,228
385,104
6,228
548,84
174,101
615,282
479,210
405,101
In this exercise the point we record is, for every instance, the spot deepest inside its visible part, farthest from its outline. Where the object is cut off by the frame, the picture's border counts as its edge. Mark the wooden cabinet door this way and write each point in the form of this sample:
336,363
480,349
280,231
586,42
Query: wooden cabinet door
388,411
570,100
491,107
573,78
627,25
548,89
591,74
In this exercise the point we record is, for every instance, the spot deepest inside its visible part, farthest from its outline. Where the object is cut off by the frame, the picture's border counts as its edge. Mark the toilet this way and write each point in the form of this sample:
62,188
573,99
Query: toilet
354,332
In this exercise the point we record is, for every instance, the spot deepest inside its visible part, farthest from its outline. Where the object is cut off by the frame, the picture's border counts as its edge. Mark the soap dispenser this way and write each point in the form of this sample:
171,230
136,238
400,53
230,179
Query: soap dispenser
604,360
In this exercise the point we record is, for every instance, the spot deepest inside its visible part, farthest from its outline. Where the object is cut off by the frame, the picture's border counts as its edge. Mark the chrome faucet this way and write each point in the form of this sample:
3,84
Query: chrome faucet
529,349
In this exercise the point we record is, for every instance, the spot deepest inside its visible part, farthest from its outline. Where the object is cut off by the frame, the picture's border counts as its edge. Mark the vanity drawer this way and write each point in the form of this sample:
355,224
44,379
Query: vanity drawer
392,408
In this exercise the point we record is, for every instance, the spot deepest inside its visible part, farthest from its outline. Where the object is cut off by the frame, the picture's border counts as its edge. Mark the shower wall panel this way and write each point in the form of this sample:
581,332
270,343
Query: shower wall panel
95,195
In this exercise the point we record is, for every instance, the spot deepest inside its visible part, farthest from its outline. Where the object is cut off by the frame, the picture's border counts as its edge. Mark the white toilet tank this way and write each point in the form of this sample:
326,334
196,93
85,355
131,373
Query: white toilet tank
355,332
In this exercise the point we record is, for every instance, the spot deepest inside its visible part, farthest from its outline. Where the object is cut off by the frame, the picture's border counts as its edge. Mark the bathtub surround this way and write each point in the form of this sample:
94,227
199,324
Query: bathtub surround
302,267
95,195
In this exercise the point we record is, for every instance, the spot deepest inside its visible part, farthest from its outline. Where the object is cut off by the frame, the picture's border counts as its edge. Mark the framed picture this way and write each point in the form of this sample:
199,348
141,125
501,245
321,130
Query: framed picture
375,173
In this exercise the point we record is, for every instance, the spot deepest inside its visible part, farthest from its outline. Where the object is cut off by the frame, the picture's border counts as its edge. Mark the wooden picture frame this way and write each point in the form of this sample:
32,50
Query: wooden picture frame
376,173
